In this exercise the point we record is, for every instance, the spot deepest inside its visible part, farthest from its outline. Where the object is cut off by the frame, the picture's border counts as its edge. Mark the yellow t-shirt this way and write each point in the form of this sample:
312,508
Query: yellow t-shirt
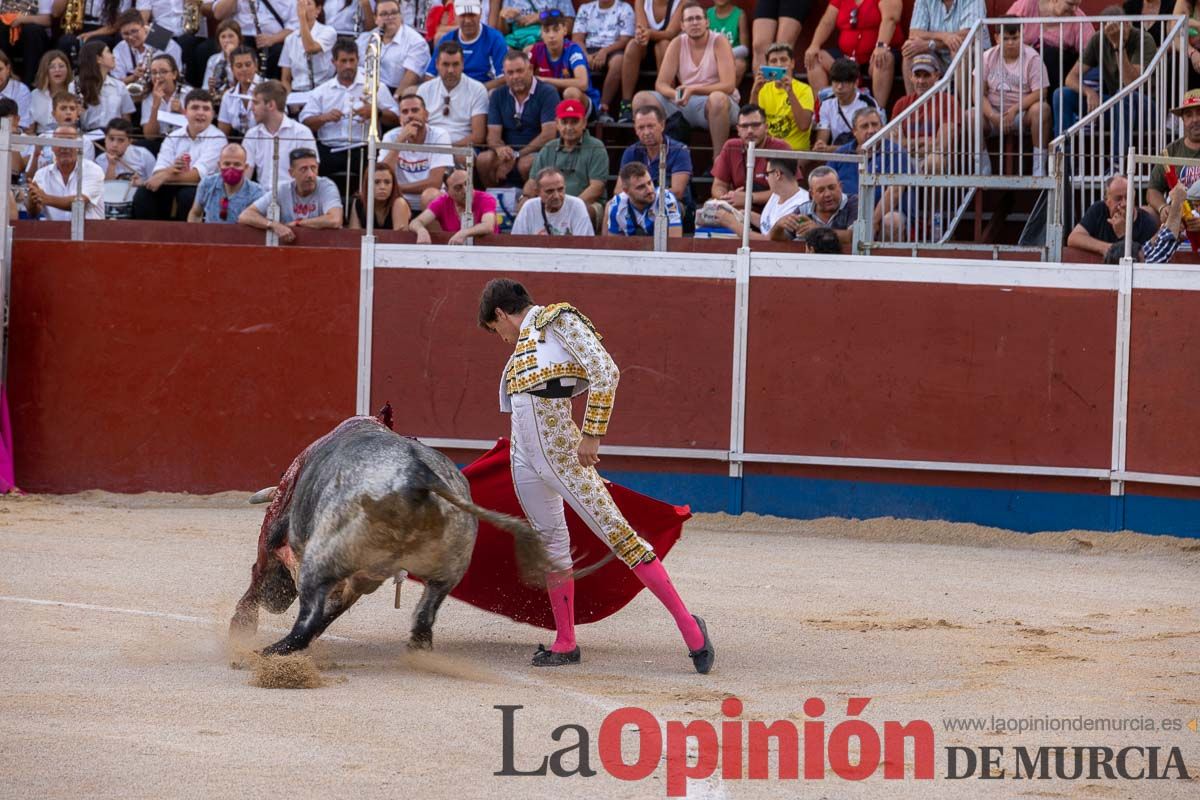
780,123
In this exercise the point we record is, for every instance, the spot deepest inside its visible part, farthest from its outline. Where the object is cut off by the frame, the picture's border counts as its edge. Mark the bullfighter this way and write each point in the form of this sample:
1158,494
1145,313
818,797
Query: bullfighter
557,356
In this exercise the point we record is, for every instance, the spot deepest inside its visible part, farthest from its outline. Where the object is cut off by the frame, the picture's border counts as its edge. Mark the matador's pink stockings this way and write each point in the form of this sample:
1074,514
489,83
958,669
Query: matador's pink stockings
561,588
655,577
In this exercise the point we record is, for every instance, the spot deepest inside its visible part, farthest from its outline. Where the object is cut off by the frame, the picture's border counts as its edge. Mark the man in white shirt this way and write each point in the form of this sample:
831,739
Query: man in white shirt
263,29
553,212
268,105
53,188
405,52
132,54
338,112
456,102
186,157
307,51
419,174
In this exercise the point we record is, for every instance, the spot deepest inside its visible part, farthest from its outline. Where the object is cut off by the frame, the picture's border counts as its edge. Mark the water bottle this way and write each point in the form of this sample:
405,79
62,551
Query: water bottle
937,226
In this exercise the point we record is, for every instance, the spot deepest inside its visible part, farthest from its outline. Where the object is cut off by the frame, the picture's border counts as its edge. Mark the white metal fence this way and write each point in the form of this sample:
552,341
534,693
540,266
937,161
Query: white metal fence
984,125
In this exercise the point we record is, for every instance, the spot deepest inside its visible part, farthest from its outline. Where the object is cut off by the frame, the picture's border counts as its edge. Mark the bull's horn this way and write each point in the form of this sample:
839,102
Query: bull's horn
263,495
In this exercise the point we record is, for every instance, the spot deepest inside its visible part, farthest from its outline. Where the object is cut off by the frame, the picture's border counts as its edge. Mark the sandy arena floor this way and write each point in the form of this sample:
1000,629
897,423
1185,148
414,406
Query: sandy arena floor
115,680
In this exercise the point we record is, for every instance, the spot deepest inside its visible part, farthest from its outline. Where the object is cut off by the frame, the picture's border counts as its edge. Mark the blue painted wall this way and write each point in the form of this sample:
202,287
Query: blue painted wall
1023,510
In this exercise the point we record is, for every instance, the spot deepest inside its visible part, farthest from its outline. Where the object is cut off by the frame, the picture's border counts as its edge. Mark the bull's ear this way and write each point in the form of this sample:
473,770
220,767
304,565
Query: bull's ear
263,495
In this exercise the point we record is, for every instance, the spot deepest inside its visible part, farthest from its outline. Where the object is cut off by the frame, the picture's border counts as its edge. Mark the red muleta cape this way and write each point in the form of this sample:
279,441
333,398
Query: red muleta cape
491,582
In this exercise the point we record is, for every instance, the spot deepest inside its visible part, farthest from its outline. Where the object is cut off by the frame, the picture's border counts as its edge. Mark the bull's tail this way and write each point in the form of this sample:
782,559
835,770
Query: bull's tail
532,559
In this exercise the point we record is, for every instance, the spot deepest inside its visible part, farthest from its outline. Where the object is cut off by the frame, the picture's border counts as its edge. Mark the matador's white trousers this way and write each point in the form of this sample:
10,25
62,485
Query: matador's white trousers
546,471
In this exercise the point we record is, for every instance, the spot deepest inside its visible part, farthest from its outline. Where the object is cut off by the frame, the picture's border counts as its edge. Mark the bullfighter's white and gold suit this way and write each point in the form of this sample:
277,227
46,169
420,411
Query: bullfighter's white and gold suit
558,355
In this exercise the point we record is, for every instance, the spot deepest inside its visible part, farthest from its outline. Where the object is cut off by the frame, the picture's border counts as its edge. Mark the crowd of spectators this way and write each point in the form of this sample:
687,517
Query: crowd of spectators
263,122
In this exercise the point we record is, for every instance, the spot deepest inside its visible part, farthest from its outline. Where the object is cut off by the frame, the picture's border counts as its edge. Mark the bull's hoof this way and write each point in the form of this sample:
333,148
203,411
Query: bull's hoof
420,641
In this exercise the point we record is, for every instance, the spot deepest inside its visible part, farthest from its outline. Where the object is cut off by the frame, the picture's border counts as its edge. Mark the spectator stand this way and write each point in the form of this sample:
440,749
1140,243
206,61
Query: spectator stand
1137,119
953,161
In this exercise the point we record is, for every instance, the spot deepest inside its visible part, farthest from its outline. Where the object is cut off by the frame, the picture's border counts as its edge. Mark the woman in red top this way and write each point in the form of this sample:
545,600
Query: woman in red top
867,31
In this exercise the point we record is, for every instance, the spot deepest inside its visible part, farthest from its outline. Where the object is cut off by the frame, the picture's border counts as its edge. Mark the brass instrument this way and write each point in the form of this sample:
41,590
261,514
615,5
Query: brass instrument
258,31
139,90
191,16
371,64
358,17
72,18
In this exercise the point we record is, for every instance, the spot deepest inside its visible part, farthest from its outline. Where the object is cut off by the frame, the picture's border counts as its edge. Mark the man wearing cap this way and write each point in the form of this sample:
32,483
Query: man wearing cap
1187,146
520,20
562,63
920,130
938,28
580,157
483,47
520,121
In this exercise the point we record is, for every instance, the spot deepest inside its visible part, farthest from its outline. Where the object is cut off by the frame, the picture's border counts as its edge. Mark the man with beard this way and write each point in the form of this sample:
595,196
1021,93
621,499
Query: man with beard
338,112
553,212
306,201
457,103
1187,146
420,175
520,121
697,78
633,211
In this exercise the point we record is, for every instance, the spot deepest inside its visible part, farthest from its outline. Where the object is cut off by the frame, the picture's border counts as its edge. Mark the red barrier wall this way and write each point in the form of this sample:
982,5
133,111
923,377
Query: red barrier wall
670,337
139,367
930,372
1164,384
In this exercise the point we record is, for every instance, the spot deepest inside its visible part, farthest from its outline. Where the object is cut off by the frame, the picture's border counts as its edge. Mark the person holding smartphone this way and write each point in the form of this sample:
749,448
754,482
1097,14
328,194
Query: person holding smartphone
787,102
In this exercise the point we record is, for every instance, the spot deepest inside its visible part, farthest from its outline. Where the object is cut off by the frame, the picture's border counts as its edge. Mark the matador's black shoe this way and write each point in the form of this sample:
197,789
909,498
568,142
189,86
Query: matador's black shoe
703,658
549,658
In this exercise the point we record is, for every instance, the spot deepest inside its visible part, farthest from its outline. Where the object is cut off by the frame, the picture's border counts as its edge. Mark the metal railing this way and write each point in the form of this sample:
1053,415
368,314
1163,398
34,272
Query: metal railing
958,141
9,140
1136,118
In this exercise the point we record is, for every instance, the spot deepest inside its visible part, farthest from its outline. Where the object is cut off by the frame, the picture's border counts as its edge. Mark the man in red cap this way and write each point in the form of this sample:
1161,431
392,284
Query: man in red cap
580,156
1188,146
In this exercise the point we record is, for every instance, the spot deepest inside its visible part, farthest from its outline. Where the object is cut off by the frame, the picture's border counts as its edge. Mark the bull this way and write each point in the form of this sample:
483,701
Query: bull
357,507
